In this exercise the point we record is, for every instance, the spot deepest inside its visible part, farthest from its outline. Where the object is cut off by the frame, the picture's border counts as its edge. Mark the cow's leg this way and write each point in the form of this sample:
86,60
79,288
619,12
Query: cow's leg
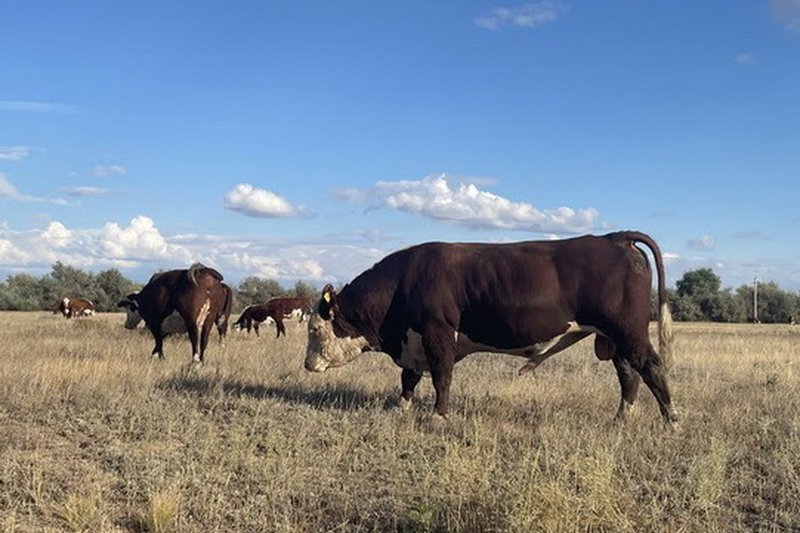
280,327
194,338
158,349
650,366
439,343
255,327
629,382
408,380
205,333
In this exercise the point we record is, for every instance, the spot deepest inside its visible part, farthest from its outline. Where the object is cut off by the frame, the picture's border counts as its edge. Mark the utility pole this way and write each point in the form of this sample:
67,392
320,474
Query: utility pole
755,300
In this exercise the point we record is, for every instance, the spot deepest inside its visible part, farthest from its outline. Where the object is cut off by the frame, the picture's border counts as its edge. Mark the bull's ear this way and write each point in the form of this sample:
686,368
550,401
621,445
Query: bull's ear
327,302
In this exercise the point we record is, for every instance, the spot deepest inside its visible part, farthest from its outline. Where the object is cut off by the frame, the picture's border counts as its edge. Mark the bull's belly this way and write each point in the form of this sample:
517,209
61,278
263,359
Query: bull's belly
413,357
173,324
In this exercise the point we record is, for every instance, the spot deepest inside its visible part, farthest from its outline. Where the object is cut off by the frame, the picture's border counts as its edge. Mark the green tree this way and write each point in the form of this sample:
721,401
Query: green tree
109,287
304,290
700,282
255,290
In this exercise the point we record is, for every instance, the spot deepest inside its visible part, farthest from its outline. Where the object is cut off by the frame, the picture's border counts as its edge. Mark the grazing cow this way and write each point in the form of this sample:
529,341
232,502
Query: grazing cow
431,305
252,317
275,310
75,307
190,300
281,308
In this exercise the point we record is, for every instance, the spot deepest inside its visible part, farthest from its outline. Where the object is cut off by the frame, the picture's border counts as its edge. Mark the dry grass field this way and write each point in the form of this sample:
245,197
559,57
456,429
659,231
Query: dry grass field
95,436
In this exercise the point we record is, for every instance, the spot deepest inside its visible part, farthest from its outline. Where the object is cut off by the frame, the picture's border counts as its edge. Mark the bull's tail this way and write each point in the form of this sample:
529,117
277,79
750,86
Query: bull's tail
197,268
665,337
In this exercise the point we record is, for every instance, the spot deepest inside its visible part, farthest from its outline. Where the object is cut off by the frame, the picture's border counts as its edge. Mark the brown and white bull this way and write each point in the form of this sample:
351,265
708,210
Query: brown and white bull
75,307
430,305
180,301
275,310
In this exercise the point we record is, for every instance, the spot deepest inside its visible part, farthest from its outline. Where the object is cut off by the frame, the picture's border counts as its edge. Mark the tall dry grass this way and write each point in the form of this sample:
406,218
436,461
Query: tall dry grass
95,436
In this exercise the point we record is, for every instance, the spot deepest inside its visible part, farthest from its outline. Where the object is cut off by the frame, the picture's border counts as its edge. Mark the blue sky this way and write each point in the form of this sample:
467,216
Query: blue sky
305,140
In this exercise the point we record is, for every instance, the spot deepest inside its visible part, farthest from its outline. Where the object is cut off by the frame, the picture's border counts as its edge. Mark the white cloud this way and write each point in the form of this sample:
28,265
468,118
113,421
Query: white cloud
9,191
140,240
703,243
14,153
525,16
107,171
745,58
57,235
86,191
467,205
255,202
787,12
350,195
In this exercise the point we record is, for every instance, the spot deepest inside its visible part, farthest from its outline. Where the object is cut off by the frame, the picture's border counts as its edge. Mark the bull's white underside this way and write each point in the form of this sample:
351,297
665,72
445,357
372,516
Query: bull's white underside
413,354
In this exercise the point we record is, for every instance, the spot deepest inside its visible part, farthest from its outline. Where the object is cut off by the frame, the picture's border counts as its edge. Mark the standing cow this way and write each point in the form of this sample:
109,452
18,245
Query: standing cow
75,307
431,305
190,300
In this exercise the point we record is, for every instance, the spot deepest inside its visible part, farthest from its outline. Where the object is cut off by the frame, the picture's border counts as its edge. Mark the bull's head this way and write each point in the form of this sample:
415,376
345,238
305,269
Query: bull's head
131,305
332,341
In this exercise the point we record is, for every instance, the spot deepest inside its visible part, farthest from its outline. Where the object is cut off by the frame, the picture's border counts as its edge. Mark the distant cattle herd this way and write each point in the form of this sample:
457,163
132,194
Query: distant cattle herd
431,305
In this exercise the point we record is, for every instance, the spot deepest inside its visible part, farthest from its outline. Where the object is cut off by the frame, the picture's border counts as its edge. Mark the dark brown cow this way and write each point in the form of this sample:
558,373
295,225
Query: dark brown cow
252,316
75,307
276,310
431,305
280,308
175,301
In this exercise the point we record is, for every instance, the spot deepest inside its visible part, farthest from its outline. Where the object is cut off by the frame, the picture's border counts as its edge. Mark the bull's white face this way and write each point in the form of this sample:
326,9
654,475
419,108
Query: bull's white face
326,350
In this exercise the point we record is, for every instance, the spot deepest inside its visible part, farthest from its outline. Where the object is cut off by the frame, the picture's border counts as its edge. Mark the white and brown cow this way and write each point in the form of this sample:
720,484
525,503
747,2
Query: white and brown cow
431,305
275,310
75,307
180,301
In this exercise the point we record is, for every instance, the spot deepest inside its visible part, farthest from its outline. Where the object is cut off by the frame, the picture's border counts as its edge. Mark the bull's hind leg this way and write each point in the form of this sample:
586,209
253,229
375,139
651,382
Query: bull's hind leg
408,380
629,382
650,366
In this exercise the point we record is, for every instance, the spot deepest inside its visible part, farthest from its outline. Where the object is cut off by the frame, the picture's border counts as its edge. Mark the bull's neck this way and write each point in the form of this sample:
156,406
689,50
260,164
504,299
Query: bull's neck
365,304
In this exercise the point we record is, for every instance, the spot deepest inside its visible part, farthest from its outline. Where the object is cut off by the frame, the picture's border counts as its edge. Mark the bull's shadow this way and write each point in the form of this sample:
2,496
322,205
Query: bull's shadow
325,396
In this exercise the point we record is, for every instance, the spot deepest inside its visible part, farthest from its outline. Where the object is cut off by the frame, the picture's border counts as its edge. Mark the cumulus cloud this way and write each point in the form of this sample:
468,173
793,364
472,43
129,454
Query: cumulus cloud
139,248
525,16
57,235
255,202
107,171
14,153
467,205
787,12
139,240
704,243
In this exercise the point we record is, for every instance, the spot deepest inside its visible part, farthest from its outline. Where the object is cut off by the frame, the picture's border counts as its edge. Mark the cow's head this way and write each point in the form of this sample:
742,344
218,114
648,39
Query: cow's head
131,305
332,340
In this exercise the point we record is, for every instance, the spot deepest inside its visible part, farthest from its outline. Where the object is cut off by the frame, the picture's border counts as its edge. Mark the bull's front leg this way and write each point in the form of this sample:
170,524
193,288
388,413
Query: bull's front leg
439,343
408,380
158,349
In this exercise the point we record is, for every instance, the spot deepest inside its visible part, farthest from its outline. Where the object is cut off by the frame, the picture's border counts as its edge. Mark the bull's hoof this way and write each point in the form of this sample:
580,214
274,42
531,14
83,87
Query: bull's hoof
403,404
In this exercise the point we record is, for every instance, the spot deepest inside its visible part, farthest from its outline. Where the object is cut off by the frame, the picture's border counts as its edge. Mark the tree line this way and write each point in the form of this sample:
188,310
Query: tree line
24,292
697,296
